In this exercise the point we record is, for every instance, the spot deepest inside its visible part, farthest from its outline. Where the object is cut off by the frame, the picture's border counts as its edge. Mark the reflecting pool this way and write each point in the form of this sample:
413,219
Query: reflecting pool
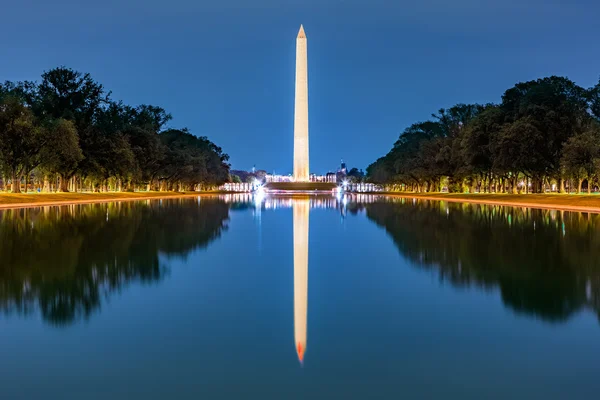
243,296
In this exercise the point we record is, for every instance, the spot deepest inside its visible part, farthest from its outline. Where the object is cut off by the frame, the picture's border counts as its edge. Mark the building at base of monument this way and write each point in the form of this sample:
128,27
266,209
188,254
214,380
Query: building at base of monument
277,187
330,177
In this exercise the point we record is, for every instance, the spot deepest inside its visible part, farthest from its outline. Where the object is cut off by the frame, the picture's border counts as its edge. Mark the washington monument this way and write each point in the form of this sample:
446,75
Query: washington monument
301,169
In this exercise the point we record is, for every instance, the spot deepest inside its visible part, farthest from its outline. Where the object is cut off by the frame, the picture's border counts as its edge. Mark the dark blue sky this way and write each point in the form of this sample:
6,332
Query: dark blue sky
225,69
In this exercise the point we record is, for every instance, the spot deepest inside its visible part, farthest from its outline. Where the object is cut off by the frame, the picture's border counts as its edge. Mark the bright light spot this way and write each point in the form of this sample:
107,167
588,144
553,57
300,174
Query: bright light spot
259,196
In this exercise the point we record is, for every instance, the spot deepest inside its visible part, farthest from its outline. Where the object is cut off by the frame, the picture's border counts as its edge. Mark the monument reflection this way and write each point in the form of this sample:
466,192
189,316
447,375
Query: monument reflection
301,211
301,206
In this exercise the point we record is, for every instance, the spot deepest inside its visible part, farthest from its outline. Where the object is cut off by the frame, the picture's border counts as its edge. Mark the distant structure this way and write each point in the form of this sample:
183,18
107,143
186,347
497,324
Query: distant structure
278,178
330,177
343,169
301,167
341,172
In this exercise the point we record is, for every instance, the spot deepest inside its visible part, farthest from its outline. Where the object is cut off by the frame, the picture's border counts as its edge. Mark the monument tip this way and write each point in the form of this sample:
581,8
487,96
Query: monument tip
301,33
300,352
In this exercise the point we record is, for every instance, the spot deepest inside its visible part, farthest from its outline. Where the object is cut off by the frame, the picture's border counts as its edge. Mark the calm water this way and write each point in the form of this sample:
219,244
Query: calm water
241,297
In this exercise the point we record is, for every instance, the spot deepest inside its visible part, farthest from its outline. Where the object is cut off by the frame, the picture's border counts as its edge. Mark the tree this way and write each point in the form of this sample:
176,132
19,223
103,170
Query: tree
148,152
381,171
475,143
355,175
517,148
581,157
63,154
141,127
67,94
557,108
21,140
594,98
455,119
71,95
192,161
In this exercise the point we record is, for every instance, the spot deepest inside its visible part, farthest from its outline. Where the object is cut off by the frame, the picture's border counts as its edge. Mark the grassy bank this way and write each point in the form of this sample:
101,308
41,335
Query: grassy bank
574,202
9,200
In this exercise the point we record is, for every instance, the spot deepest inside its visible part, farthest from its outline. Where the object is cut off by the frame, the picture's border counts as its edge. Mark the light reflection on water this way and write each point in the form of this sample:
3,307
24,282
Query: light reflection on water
427,290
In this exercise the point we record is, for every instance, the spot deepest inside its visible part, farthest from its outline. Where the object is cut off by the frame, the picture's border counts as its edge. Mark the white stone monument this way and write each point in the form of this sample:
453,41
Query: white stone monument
301,168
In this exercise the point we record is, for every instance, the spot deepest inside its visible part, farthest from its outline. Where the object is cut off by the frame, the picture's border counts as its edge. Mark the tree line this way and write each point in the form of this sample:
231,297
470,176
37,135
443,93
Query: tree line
544,135
65,133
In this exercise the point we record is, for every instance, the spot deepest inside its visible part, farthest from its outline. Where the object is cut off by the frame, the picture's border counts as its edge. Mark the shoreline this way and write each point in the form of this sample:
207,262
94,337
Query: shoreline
574,203
514,200
100,198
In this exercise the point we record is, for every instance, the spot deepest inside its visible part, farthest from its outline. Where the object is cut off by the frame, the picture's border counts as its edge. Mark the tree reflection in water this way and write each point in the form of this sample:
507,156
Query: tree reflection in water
64,260
546,263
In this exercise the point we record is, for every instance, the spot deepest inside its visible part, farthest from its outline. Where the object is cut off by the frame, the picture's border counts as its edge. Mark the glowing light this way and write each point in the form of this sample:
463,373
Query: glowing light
338,194
259,196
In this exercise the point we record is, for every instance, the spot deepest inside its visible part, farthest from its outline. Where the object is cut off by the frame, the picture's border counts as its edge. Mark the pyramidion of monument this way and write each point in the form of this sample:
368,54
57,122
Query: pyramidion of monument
301,33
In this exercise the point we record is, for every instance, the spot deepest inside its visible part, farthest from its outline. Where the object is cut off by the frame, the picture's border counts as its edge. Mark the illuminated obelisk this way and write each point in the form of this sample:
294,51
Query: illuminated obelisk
301,208
301,170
